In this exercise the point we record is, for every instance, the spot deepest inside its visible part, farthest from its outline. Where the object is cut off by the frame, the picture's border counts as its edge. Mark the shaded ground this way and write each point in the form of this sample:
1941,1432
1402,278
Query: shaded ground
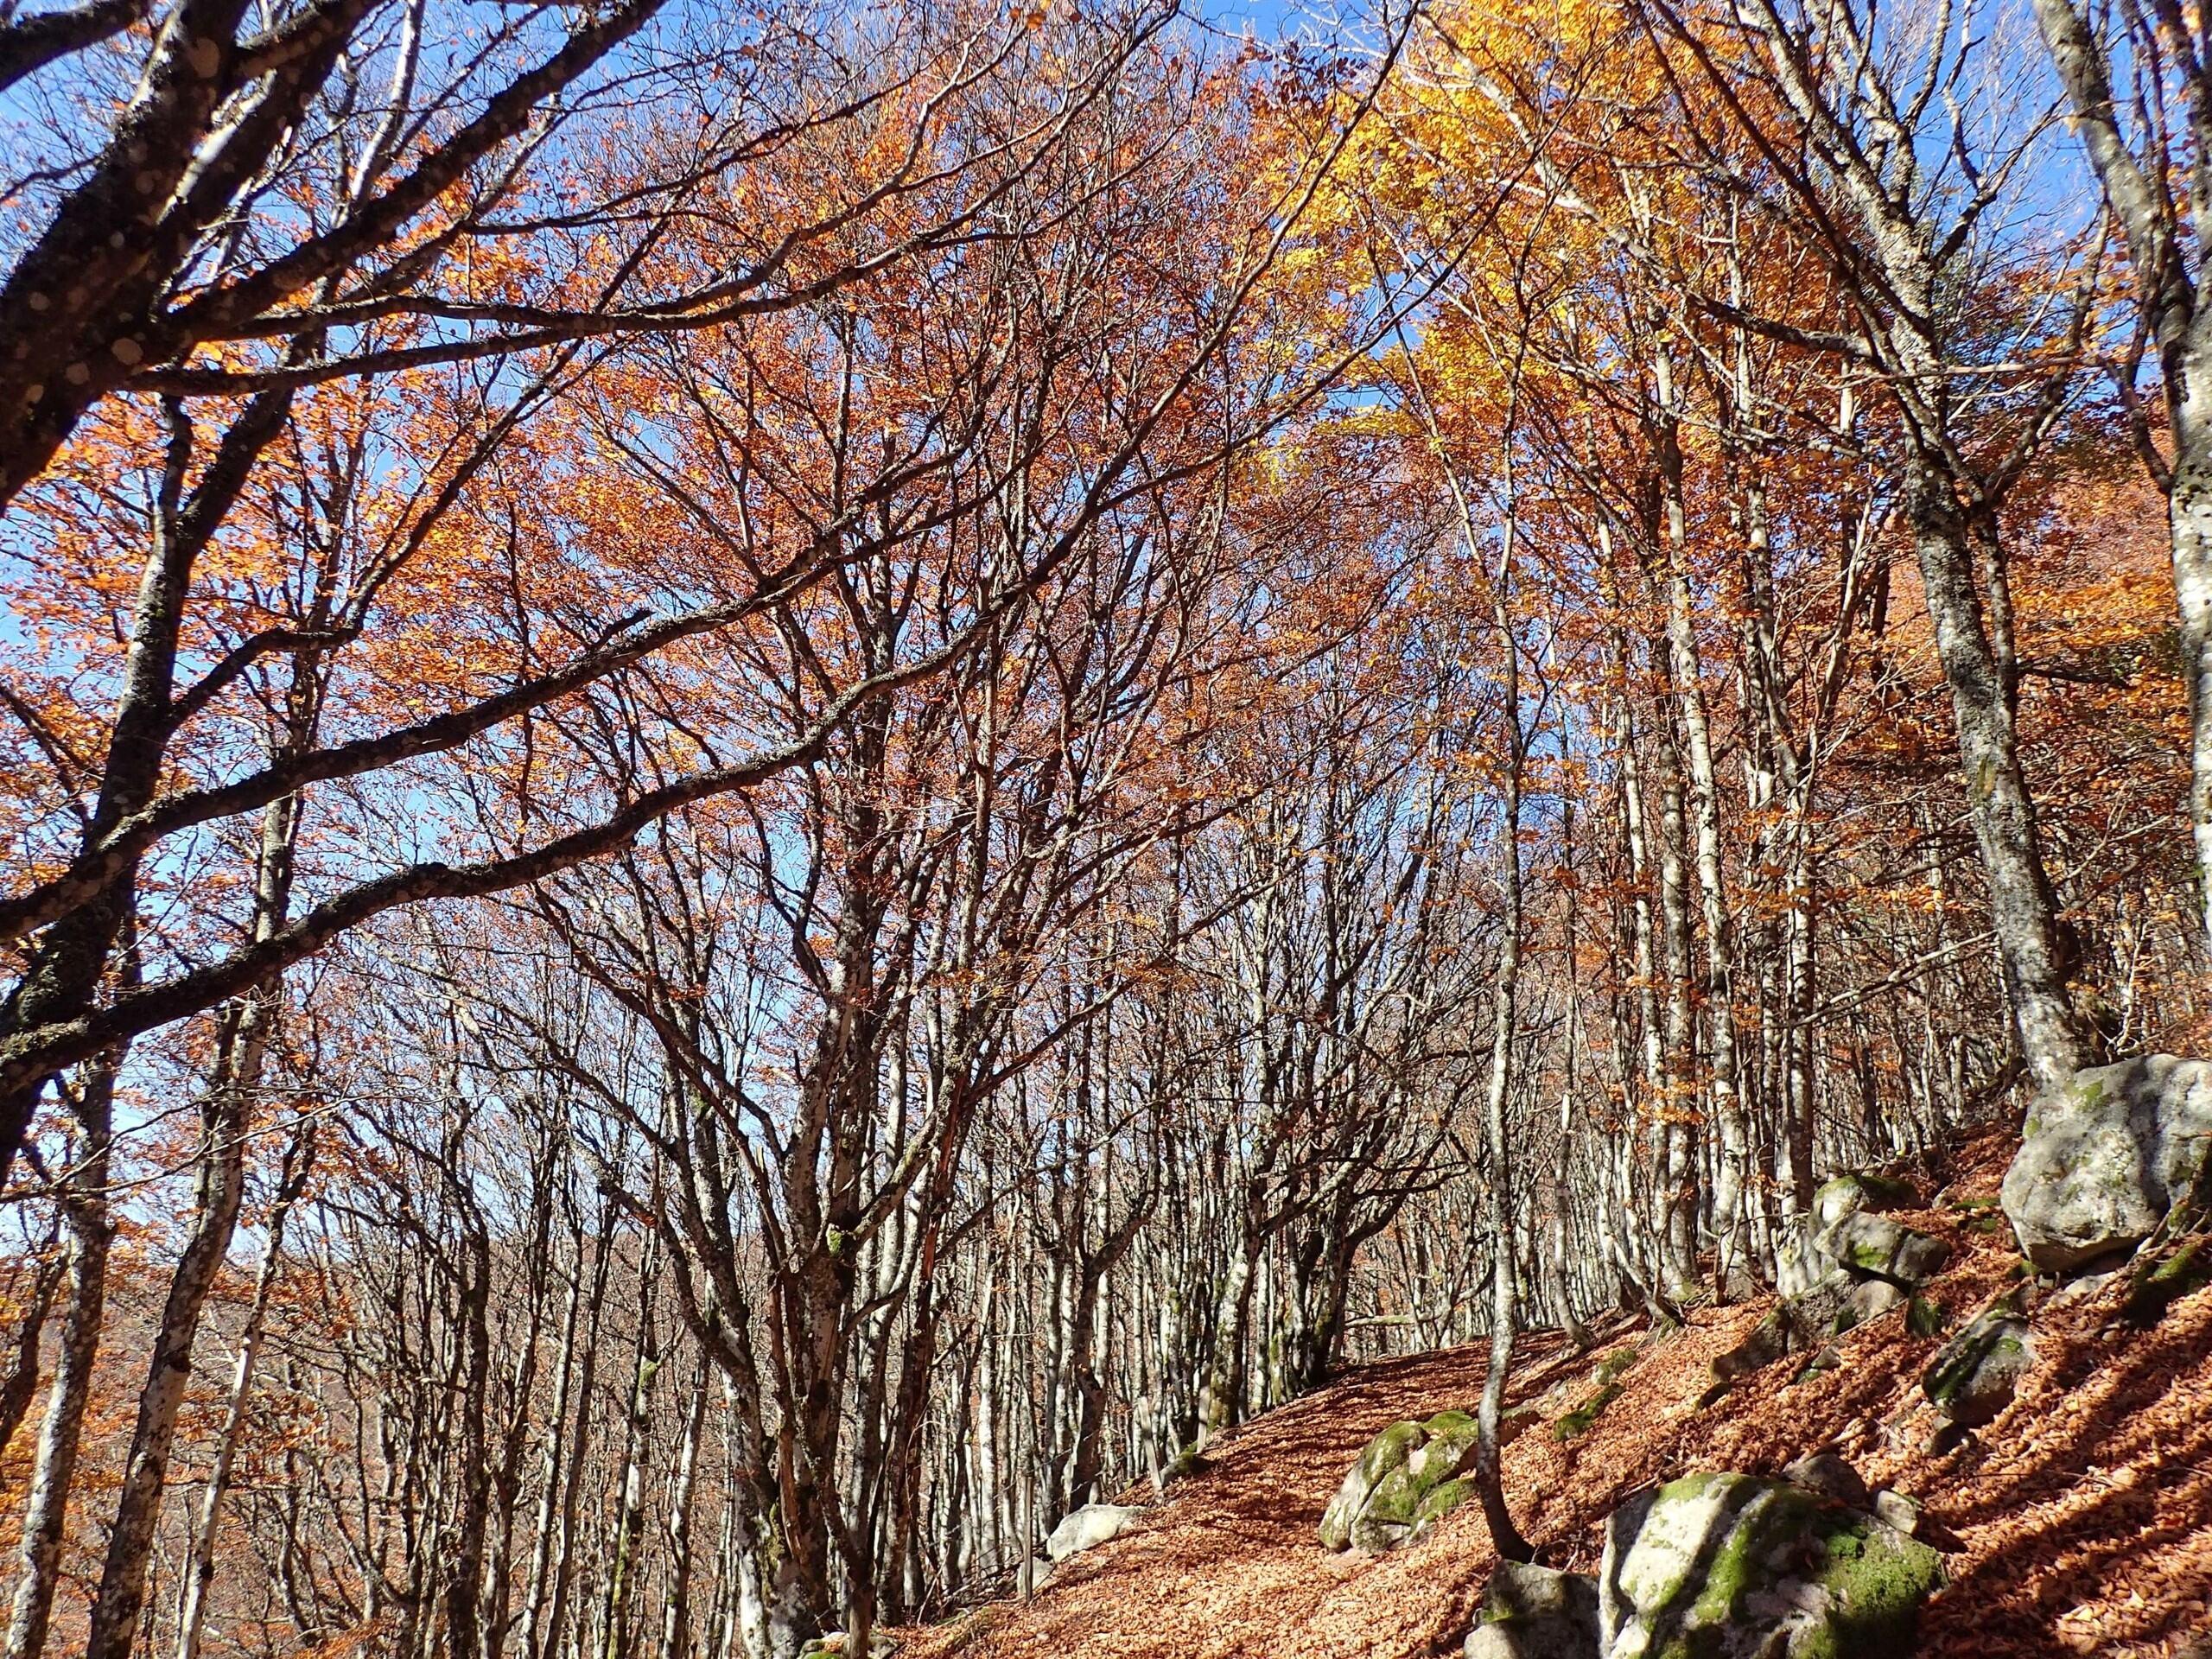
2085,1511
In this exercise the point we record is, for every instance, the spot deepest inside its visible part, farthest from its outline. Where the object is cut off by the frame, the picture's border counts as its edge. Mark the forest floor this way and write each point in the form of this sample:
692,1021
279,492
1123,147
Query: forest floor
2084,1513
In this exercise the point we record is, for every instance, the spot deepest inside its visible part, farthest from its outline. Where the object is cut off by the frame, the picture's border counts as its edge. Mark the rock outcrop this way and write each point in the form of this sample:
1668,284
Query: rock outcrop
2106,1157
1857,1190
1842,1265
1533,1612
1874,1247
1973,1377
1727,1566
1805,1254
1088,1527
1830,1475
1406,1480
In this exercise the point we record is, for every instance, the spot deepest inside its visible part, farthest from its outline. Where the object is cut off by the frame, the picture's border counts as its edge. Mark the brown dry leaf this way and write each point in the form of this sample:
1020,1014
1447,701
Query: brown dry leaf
2056,1558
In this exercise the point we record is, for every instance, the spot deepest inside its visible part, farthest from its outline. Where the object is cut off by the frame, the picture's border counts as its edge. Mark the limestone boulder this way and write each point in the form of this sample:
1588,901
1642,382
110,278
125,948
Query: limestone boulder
1829,1475
1799,1263
1871,1298
1807,1253
1796,1324
1533,1612
2104,1158
1973,1376
1088,1527
1727,1567
1408,1478
1860,1192
1874,1247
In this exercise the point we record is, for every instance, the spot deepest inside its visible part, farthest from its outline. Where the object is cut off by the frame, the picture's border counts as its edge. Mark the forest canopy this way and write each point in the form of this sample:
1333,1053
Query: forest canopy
782,784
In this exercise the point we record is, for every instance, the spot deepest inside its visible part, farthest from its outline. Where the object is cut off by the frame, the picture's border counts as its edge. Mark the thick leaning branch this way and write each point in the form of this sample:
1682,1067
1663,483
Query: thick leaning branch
81,302
37,1054
91,871
29,44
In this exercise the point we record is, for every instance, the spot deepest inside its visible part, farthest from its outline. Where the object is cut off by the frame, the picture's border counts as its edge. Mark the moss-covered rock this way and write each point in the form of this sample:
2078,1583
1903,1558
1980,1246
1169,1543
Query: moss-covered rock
2159,1278
1923,1316
1405,1481
1829,1475
1533,1612
1857,1190
1604,1389
1973,1377
1871,1298
1579,1420
1382,1456
1801,1324
1450,1440
1876,1247
1727,1566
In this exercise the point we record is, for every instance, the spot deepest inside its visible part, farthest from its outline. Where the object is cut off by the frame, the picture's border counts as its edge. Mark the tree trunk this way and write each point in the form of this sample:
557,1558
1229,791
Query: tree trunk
199,1571
2023,911
85,1203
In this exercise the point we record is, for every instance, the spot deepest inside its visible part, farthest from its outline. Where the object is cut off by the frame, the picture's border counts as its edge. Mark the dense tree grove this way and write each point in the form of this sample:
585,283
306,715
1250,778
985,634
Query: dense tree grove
783,785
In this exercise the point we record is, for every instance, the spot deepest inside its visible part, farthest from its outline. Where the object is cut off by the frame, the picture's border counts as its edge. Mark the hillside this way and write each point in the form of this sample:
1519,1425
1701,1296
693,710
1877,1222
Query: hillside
2084,1515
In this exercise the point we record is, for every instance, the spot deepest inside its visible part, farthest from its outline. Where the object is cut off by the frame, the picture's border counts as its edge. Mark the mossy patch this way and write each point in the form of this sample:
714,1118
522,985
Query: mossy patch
1841,1195
2173,1273
1441,1502
1395,1501
1606,1379
1398,1487
1876,1578
1383,1457
1725,1564
1924,1316
1972,1377
1579,1420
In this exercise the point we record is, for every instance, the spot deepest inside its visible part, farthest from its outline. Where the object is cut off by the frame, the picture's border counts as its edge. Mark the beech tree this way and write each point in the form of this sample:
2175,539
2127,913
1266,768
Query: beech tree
408,184
2148,147
898,761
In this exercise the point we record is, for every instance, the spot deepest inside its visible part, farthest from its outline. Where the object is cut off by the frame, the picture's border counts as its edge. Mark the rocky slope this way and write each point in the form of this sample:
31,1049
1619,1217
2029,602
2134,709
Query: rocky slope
2080,1519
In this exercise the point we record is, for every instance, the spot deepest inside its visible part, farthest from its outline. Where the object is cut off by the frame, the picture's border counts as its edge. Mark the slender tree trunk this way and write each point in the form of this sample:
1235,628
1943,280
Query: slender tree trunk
2159,230
85,1203
1689,677
19,1390
199,1569
623,1565
1489,1472
676,1612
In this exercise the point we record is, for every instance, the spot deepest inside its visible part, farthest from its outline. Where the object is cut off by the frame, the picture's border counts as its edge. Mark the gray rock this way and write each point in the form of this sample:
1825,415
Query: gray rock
1828,1358
1871,1298
1532,1613
1973,1376
2105,1157
1089,1527
1828,1474
1896,1510
1856,1192
1724,1567
1797,1324
1923,1317
1405,1480
1876,1247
